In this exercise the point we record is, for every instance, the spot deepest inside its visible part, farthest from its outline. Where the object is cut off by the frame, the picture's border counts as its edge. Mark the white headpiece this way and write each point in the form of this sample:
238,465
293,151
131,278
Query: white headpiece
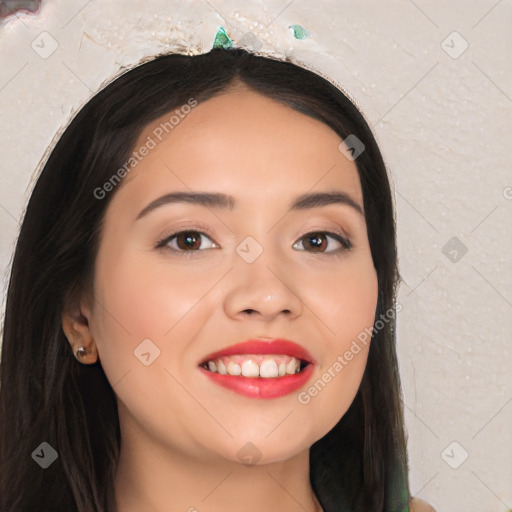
197,29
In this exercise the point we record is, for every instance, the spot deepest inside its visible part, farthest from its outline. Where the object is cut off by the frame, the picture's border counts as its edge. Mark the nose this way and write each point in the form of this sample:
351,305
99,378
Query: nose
263,291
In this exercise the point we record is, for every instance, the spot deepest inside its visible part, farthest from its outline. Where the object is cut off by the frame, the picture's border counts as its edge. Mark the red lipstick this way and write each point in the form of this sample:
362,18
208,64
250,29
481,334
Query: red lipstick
262,387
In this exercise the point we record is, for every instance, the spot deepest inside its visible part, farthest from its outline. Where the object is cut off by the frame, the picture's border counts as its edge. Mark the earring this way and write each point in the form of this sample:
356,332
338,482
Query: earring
81,352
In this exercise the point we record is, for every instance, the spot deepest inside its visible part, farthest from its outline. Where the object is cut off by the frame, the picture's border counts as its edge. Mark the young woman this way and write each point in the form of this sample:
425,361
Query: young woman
201,309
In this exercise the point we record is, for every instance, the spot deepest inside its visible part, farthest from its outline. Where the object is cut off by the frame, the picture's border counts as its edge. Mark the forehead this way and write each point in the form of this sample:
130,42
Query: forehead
242,142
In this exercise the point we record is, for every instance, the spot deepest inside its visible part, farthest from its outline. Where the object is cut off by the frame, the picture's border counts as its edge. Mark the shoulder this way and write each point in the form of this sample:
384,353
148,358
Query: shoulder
418,505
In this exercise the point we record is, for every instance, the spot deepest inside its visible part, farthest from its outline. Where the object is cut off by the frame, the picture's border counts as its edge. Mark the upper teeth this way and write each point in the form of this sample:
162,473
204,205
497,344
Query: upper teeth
255,365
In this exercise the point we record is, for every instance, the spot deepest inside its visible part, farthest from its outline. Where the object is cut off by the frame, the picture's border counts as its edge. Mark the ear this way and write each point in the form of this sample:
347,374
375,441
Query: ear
75,324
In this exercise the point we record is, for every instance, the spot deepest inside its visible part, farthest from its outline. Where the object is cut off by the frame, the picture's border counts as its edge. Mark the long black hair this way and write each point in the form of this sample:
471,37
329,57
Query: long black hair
47,396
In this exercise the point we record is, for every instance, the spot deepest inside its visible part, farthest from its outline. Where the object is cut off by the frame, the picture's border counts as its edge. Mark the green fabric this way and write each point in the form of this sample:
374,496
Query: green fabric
337,472
299,32
222,40
397,494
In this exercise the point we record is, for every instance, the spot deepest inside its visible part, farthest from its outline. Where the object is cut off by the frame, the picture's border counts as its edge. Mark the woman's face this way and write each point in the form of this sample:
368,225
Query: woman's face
253,274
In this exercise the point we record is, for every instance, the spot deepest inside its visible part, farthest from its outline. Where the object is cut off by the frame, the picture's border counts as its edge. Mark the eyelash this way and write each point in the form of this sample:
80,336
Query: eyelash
162,244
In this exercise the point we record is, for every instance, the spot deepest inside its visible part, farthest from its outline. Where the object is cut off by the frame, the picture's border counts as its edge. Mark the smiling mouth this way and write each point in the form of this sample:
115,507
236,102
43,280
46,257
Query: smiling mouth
265,366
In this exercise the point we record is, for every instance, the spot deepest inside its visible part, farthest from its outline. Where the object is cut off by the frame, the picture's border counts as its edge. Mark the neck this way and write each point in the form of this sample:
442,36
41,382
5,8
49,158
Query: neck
151,477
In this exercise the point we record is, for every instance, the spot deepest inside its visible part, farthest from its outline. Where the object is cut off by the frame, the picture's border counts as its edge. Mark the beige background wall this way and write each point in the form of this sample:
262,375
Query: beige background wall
434,81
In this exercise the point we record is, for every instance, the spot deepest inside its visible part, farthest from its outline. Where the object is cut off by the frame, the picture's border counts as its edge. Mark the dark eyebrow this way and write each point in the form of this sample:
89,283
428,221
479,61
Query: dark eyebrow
224,201
316,199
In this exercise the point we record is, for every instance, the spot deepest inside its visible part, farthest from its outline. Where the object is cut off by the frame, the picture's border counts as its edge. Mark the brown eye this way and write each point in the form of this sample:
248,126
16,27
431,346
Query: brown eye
185,241
318,242
188,240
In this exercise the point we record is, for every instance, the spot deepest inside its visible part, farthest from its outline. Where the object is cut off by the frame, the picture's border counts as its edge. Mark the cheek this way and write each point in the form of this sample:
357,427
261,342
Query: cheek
140,298
146,299
346,304
357,303
136,302
346,301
